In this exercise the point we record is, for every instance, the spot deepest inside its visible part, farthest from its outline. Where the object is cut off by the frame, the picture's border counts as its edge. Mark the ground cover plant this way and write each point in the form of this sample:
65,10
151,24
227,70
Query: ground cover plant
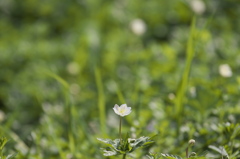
64,64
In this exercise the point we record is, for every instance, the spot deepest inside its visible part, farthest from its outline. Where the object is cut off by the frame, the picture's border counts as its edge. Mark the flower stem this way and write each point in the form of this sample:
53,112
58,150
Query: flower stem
187,152
120,129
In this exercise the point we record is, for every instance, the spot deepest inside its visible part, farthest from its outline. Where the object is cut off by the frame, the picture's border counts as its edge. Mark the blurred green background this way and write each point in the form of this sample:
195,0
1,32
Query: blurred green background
64,64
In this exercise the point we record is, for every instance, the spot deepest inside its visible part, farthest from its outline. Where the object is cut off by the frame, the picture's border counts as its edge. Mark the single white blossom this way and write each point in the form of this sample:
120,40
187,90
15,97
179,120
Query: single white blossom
73,68
2,116
123,110
198,6
225,70
138,26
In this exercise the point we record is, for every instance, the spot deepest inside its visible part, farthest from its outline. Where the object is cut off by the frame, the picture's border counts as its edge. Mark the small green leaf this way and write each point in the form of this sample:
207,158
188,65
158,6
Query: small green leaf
11,156
220,150
109,153
193,154
169,156
236,132
3,141
112,143
150,157
203,153
197,157
107,141
136,143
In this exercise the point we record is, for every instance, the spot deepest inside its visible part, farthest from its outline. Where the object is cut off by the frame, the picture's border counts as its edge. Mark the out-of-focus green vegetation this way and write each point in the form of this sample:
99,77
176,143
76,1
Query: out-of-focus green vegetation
64,64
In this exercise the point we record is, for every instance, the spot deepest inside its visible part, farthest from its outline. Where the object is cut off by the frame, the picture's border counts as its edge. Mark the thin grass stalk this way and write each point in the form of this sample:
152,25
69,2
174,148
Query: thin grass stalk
120,95
185,78
101,101
71,137
68,107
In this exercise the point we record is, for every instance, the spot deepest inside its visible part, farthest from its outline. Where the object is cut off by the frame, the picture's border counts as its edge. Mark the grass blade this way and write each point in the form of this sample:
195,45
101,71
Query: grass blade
185,77
101,100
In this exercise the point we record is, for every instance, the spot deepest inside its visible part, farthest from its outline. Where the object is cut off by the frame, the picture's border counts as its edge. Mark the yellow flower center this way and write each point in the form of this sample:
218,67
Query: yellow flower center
122,111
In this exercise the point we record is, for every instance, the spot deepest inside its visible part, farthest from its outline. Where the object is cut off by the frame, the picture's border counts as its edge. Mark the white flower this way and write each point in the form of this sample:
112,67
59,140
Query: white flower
123,110
198,6
73,68
138,26
225,70
2,116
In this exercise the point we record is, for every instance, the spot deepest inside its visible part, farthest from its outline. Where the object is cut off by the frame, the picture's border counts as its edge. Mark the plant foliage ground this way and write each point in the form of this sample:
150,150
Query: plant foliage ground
64,64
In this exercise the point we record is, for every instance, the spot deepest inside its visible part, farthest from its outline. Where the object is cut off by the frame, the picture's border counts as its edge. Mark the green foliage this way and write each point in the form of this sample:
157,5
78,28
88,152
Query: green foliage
3,141
220,150
231,133
171,156
192,155
153,155
64,64
126,146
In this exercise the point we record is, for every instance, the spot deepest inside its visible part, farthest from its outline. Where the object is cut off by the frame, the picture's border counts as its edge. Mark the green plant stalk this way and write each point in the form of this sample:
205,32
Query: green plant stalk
120,129
55,140
187,152
185,77
70,122
120,135
101,100
120,95
15,137
69,110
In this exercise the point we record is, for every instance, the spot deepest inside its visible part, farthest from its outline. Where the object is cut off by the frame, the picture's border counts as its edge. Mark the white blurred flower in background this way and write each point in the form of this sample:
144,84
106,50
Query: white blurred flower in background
138,26
193,91
171,96
73,68
198,6
2,116
225,70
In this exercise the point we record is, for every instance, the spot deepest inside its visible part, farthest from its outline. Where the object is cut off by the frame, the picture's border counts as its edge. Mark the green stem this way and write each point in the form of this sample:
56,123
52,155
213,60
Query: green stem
187,152
124,156
120,129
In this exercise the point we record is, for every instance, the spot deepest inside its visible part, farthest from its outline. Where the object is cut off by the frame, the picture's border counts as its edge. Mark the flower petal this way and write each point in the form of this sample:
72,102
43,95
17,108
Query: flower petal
116,106
116,109
128,111
123,106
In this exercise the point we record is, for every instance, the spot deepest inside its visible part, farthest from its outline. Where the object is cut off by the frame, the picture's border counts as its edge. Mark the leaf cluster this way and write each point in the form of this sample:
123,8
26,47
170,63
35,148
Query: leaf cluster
3,141
125,146
231,134
193,155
